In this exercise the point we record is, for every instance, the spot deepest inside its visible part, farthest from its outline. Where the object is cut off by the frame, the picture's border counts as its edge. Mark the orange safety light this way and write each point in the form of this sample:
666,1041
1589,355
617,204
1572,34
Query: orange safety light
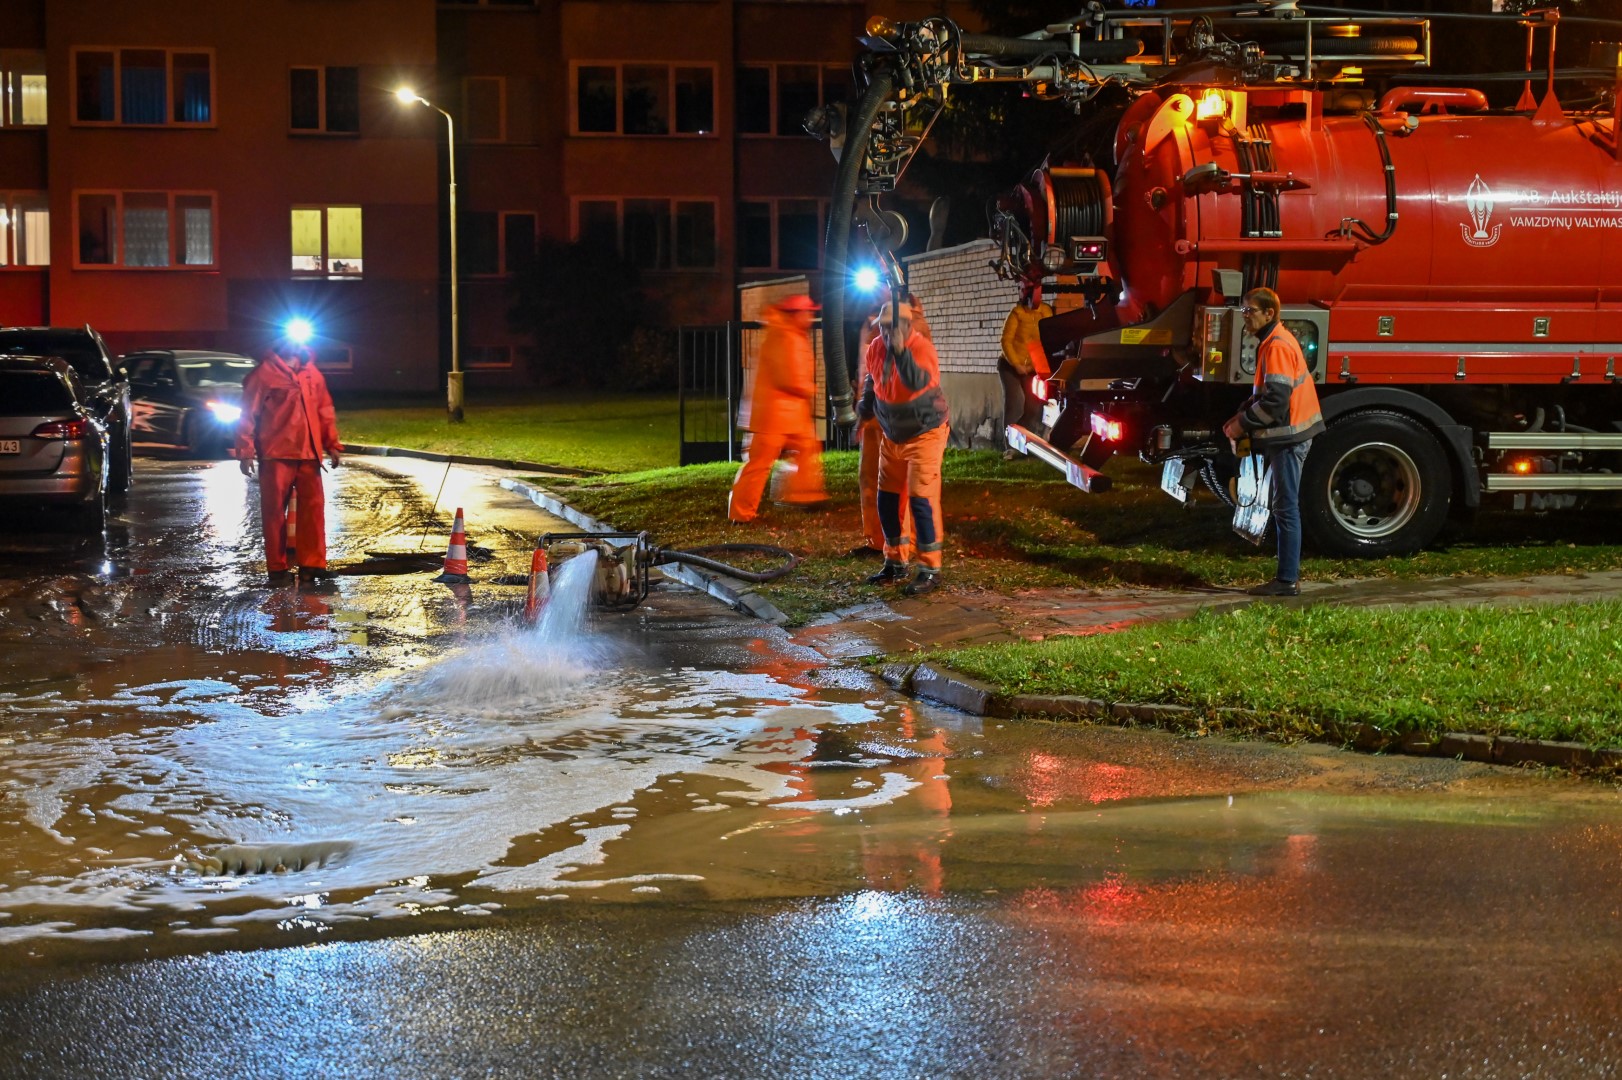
1212,104
1105,428
1521,465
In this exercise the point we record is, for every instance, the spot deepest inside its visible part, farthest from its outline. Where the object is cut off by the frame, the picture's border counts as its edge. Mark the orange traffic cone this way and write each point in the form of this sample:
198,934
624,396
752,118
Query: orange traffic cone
455,572
540,586
290,518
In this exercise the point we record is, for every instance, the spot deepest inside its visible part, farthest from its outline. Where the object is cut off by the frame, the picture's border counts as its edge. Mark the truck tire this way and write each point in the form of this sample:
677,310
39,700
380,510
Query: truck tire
1376,483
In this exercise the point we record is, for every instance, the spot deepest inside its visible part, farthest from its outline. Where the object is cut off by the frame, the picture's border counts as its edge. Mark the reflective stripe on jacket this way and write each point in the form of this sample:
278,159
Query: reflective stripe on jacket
1283,410
287,413
904,389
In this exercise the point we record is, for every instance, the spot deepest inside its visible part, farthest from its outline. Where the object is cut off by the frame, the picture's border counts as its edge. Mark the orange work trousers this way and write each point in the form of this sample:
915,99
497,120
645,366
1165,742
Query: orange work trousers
278,478
910,475
804,484
867,483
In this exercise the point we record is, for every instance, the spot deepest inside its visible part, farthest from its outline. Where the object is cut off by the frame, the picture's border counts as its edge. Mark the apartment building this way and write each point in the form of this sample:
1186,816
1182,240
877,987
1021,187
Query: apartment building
188,173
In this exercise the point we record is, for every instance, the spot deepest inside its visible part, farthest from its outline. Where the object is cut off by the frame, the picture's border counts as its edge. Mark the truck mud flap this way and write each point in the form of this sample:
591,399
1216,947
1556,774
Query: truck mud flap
1087,479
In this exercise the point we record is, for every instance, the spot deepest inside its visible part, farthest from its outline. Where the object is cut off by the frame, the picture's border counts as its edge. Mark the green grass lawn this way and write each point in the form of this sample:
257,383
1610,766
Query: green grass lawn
1547,672
1016,524
614,434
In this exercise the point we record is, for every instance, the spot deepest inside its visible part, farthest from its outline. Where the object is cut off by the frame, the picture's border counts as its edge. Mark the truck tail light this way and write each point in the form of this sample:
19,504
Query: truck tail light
1039,387
68,430
1105,428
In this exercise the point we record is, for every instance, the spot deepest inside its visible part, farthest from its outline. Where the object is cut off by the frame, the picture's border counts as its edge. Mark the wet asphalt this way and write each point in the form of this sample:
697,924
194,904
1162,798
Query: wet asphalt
796,873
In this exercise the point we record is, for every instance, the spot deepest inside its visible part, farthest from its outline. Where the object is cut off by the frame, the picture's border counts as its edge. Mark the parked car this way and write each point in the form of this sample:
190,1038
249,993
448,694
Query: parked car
107,391
53,446
186,398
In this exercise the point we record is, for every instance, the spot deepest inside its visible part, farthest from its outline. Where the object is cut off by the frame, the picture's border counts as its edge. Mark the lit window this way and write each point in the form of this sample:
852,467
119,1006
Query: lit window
325,99
22,88
25,230
644,99
772,99
145,87
327,241
651,234
150,230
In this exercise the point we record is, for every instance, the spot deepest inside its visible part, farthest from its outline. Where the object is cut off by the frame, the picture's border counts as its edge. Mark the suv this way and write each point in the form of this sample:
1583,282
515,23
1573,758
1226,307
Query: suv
107,391
52,449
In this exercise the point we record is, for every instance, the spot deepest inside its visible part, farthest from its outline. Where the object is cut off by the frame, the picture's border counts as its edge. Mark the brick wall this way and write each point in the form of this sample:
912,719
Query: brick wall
966,305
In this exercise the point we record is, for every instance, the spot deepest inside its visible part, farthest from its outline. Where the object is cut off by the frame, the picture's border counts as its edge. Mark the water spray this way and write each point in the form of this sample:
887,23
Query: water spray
624,560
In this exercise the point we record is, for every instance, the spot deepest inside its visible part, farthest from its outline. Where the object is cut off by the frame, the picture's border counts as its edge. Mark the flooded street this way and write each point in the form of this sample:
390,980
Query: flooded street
686,844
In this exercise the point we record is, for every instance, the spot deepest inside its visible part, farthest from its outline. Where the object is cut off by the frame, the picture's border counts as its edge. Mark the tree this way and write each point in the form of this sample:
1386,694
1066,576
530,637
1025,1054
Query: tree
583,305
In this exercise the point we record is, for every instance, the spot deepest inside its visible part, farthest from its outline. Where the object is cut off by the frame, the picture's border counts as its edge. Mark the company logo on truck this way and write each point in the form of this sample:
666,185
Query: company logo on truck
1478,202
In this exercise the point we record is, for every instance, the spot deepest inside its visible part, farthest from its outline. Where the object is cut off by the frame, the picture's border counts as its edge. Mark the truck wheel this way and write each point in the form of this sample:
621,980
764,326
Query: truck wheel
1376,483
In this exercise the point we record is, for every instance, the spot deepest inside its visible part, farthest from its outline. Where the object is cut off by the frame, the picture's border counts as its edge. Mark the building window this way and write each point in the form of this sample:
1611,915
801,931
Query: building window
780,234
25,229
644,99
496,243
774,98
146,87
325,99
327,241
149,230
484,108
651,234
488,357
22,87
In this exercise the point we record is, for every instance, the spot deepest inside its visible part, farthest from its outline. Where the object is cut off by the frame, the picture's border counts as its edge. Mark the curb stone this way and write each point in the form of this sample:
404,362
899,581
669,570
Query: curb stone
370,450
946,687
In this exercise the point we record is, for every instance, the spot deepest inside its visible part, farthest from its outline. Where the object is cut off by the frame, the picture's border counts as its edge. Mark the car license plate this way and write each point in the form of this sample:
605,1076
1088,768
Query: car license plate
1171,479
1050,414
10,446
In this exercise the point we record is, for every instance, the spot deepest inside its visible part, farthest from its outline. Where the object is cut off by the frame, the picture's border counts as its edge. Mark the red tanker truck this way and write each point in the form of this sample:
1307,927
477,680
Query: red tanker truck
1453,271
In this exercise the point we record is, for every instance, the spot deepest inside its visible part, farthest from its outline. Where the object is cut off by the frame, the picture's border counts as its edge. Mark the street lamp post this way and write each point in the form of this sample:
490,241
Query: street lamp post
453,385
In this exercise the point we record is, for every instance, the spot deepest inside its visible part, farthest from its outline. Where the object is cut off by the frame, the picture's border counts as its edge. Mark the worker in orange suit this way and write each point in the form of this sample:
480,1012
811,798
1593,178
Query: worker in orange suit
780,420
868,435
288,424
903,390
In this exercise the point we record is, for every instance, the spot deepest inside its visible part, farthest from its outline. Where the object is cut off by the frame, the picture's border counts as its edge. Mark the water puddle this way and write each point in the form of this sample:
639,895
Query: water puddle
661,755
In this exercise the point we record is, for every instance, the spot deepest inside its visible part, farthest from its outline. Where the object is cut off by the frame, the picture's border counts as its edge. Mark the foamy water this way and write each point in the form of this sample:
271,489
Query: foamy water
550,731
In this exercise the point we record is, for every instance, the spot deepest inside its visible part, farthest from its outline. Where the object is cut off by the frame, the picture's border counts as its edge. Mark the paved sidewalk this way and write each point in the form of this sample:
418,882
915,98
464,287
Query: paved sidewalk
968,617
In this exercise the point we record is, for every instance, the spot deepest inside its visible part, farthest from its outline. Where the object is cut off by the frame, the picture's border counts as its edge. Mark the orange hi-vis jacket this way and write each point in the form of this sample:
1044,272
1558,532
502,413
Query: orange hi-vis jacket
904,389
287,413
1283,410
785,381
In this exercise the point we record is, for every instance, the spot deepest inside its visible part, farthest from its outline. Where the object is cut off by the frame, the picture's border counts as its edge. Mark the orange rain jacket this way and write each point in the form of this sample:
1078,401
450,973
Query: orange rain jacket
1283,410
287,412
904,390
785,380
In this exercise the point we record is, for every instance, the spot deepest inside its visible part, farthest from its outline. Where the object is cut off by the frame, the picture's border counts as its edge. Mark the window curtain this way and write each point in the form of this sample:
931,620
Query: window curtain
143,96
193,105
146,237
36,238
199,232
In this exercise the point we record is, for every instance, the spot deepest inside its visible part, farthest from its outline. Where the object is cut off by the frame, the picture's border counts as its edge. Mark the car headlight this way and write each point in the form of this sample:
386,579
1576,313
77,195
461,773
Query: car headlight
224,412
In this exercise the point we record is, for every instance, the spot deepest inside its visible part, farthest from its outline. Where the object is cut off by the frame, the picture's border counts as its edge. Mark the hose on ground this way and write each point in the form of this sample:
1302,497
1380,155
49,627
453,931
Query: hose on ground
697,557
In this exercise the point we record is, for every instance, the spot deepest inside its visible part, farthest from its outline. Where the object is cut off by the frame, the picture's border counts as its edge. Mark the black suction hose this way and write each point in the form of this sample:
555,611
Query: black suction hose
859,133
692,557
1113,51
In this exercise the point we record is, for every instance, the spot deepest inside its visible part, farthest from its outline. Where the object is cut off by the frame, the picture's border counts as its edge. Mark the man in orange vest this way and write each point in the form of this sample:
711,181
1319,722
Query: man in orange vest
901,386
780,420
869,437
1281,416
288,424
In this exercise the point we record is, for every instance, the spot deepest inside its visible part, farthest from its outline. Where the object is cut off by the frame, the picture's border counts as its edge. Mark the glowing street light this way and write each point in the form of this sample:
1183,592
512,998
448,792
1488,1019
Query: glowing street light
453,385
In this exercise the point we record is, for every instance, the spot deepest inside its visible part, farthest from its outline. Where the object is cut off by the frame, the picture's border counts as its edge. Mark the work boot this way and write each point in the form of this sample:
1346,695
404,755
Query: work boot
890,573
317,579
1276,588
925,582
277,578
